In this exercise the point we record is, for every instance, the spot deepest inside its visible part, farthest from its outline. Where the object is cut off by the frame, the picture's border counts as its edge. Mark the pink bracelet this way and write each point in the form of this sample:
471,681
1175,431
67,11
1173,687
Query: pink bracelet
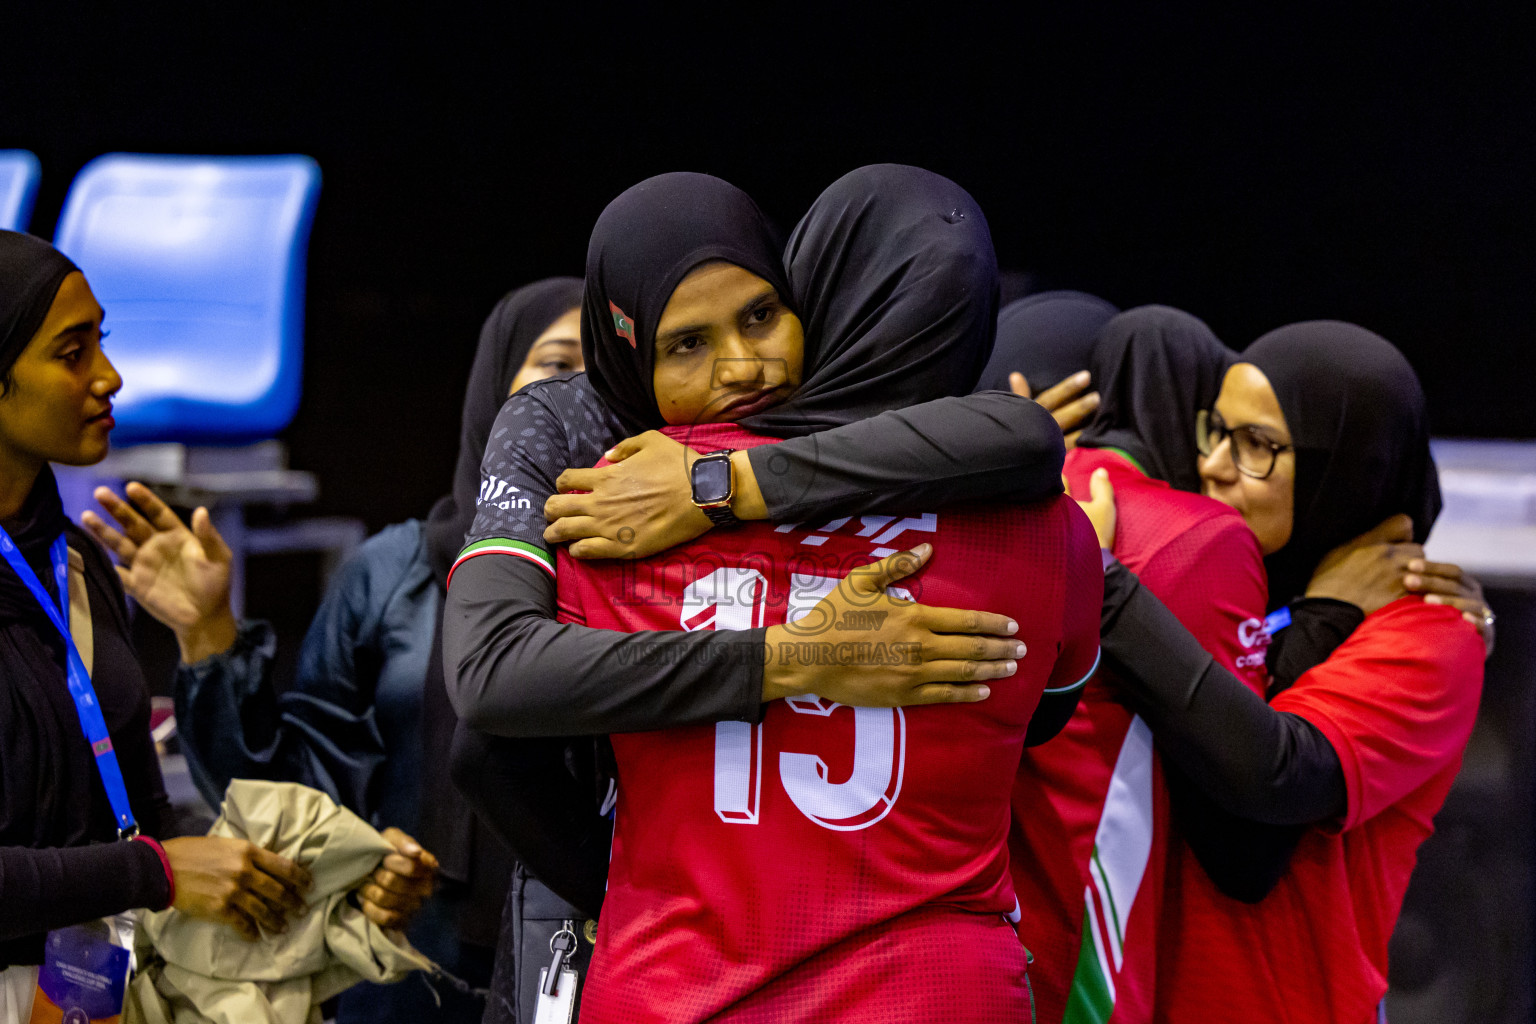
165,862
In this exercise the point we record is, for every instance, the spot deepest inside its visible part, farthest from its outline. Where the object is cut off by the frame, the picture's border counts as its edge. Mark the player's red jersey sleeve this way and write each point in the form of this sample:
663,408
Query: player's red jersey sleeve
1397,700
1211,576
1084,573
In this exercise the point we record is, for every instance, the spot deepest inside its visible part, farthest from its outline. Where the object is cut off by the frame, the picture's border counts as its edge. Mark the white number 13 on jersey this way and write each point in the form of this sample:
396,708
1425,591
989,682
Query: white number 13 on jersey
734,598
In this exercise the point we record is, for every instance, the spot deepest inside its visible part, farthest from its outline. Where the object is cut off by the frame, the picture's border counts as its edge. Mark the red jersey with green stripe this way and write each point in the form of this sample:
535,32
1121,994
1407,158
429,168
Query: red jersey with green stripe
830,862
1090,835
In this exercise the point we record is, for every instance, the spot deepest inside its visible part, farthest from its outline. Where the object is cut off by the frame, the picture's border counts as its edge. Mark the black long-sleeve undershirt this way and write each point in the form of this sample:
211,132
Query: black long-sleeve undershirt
513,670
1264,776
53,888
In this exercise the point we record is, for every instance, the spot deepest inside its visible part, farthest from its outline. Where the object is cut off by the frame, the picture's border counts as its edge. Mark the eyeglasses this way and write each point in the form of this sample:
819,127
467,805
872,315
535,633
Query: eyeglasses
1252,452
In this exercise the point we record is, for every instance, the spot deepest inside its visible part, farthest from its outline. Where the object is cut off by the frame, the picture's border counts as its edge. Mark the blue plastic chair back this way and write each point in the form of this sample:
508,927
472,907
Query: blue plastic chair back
19,175
199,263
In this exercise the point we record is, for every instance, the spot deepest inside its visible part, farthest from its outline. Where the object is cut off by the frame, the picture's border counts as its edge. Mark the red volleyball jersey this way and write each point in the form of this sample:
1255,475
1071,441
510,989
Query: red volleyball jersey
1397,701
1090,836
830,862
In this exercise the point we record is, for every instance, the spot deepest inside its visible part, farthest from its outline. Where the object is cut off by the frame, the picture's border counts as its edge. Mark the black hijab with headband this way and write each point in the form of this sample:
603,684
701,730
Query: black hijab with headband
1047,337
1155,367
1358,422
505,339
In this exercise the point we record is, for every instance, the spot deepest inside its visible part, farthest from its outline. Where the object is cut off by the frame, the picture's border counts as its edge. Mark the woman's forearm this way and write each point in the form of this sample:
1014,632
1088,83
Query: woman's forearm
45,889
1255,762
512,670
990,446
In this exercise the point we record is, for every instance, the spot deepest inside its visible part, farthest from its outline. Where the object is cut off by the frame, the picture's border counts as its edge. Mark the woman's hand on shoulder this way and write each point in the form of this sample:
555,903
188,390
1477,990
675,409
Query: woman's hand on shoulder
1448,584
179,575
640,504
1368,571
1066,403
235,882
1100,507
398,887
863,647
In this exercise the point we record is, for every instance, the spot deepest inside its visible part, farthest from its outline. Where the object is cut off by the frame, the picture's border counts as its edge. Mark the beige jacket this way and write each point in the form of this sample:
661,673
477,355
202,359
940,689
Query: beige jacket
194,971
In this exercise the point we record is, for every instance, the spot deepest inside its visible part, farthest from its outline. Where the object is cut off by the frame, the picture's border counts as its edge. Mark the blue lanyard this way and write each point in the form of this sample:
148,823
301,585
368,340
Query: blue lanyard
89,709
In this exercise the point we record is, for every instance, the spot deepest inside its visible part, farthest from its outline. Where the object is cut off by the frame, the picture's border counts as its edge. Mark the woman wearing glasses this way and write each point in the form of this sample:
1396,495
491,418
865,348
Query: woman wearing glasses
1319,432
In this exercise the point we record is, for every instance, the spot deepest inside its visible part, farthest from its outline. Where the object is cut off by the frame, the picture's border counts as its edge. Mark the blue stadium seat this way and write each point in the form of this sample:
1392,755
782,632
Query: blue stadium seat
199,263
19,174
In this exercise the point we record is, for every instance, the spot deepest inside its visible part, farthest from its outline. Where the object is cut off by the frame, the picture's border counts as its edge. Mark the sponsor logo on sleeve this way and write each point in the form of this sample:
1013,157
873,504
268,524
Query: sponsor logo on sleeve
497,493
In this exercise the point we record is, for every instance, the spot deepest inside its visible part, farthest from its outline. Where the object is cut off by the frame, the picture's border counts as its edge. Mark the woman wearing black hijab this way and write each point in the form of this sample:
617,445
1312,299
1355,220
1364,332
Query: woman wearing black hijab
1318,433
513,670
367,719
61,808
1043,344
898,272
1047,337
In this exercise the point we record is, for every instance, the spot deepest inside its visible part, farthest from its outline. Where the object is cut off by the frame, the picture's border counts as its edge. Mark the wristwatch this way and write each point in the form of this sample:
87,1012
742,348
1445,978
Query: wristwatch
714,486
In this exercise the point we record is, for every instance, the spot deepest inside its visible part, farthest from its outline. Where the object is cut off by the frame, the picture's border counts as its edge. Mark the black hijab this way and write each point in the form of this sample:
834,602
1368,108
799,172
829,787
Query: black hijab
1357,418
1155,367
644,243
1046,336
895,277
508,333
892,272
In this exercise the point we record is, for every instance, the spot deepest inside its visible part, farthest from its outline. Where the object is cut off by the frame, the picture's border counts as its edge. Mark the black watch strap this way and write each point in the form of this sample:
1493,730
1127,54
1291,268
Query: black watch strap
721,515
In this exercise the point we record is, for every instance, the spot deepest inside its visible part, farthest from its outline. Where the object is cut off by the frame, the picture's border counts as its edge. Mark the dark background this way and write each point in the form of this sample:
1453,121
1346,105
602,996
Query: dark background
1372,163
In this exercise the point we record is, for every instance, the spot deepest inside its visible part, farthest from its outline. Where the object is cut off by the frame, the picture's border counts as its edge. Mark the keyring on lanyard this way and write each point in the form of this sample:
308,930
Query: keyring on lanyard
87,707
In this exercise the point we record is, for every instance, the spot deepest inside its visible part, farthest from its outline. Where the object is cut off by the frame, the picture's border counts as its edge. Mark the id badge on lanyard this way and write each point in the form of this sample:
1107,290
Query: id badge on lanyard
86,967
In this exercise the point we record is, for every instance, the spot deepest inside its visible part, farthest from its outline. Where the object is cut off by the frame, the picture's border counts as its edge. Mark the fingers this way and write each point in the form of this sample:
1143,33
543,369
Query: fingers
274,895
387,919
875,577
597,547
1455,588
156,511
958,647
1442,570
561,506
1019,385
1072,439
629,446
293,876
965,620
248,905
1075,414
1474,609
1392,530
1054,398
948,693
1099,487
571,528
241,920
133,524
578,480
113,541
965,671
214,548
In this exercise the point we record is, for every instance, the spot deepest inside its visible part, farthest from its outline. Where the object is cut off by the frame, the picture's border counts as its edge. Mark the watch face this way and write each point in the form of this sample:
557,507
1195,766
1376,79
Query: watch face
711,480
